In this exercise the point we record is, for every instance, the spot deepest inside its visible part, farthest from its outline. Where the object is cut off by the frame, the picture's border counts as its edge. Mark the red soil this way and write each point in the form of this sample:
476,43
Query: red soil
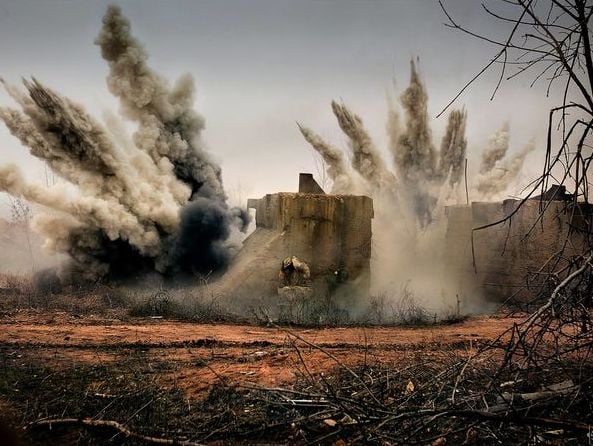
203,354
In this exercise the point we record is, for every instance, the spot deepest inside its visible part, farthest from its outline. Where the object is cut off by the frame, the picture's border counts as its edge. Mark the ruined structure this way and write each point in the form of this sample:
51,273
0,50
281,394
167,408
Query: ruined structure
330,233
513,259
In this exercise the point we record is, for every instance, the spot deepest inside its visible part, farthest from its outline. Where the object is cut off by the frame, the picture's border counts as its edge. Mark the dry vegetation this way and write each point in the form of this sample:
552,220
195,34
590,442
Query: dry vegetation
104,365
116,366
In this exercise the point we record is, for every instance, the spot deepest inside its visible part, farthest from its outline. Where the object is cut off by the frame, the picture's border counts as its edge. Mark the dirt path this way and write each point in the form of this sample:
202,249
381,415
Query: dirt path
60,329
200,355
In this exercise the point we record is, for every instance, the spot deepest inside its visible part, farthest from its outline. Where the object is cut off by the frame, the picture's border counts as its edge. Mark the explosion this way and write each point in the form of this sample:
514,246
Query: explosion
421,175
153,202
419,171
496,169
409,228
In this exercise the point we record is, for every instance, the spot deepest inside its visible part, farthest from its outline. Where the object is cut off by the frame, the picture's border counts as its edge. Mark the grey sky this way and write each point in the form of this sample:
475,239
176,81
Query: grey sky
261,65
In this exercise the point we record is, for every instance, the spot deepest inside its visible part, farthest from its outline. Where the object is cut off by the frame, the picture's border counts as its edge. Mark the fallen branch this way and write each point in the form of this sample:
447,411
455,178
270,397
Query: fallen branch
334,358
586,264
518,419
113,425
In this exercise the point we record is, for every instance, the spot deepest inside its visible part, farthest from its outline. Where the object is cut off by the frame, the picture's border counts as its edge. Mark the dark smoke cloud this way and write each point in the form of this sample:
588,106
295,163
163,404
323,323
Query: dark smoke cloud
157,203
200,247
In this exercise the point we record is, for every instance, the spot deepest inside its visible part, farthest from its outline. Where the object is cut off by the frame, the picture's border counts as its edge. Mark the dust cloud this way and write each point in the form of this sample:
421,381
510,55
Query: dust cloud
410,196
153,201
128,205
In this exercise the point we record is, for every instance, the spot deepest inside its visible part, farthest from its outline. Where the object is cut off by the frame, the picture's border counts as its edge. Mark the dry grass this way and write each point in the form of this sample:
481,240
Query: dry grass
199,304
193,304
18,292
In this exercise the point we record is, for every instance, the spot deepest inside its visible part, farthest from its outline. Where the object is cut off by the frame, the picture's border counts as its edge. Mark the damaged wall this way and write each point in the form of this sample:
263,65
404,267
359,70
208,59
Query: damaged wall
509,263
331,233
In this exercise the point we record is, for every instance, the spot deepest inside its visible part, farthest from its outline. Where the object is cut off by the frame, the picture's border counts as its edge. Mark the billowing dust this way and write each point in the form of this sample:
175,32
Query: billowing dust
412,192
153,202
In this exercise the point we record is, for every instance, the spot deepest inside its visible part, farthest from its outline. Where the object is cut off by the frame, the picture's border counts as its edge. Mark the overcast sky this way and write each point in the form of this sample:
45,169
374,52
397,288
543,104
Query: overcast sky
261,65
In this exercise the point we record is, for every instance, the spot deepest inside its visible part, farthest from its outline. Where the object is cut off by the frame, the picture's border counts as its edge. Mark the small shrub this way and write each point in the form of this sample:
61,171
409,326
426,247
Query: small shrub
314,310
193,305
379,311
407,311
117,298
159,304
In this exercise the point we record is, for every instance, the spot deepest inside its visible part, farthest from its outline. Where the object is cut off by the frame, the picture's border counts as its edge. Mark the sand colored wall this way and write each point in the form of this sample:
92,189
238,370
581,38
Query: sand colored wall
511,260
328,232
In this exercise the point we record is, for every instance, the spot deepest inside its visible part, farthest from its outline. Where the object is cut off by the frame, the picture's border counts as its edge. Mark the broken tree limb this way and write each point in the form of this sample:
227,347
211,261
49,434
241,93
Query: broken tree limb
586,264
89,422
333,357
518,419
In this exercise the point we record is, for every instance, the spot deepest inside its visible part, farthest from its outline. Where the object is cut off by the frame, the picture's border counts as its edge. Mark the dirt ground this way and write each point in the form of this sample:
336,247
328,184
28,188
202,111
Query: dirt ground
223,384
201,355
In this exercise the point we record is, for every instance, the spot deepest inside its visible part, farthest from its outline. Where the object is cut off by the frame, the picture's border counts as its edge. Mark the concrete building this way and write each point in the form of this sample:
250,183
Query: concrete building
330,233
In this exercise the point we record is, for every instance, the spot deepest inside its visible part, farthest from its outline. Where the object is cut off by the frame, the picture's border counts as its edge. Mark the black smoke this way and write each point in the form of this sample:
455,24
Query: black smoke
152,203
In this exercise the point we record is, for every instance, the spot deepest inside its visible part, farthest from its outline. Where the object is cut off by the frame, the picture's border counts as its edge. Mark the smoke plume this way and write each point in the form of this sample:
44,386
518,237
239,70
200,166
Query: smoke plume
393,126
453,148
337,169
168,125
153,202
498,145
504,171
415,155
409,226
366,160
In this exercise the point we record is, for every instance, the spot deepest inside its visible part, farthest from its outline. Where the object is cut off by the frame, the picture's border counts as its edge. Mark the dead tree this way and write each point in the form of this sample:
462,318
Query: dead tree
551,42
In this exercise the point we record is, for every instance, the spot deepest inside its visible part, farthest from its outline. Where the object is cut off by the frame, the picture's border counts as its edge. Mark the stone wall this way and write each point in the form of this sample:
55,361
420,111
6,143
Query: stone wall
511,260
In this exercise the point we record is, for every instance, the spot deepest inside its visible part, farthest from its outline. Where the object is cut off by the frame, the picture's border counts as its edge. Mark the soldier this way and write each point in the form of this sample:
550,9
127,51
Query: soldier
294,272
